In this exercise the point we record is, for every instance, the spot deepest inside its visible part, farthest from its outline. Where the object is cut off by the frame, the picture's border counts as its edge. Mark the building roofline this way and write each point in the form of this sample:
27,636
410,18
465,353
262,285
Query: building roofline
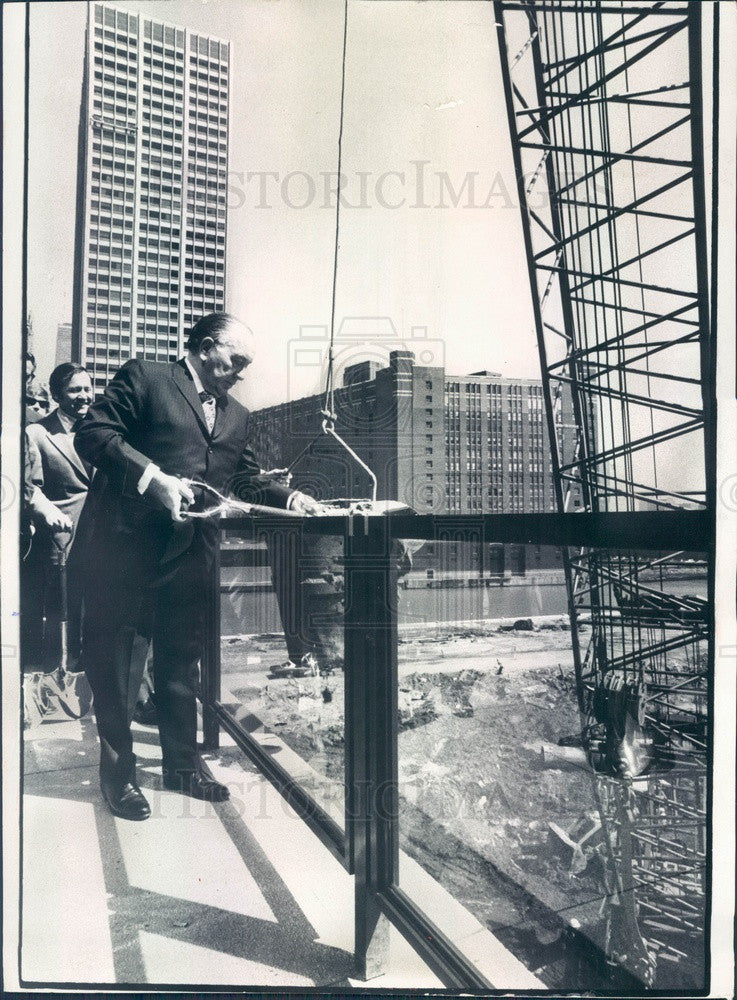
317,396
506,379
155,20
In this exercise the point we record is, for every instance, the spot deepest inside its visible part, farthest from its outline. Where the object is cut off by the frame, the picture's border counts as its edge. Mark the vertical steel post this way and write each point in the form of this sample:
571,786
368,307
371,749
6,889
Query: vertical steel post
701,236
210,673
707,341
371,730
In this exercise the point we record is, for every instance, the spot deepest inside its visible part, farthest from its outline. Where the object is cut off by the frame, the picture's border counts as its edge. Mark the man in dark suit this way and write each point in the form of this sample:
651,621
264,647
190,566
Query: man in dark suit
157,425
56,485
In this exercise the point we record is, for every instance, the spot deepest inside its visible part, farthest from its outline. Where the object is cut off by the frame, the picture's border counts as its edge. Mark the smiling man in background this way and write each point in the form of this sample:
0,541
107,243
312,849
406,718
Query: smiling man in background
57,481
148,565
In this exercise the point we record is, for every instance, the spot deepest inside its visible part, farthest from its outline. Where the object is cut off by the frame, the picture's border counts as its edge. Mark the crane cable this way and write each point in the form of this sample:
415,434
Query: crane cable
328,410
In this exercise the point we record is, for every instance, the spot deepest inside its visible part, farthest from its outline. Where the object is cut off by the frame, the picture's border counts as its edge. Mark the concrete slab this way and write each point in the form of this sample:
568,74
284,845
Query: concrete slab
238,894
170,900
184,852
55,746
170,961
68,729
65,927
405,970
316,880
319,884
469,935
497,963
327,793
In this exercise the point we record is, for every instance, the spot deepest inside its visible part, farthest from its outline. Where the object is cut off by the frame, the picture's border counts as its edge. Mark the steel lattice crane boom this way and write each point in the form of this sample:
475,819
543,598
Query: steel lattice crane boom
604,101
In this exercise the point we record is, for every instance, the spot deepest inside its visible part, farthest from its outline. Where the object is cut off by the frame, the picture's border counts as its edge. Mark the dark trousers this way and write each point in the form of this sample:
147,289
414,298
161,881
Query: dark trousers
307,573
42,606
126,607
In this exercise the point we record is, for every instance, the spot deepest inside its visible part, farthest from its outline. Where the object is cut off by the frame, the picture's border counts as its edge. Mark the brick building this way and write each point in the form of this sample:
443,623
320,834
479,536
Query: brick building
440,443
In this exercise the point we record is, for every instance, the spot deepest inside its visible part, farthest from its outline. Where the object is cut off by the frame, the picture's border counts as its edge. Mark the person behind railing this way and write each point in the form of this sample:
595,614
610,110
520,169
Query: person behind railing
309,583
56,484
307,571
307,574
149,566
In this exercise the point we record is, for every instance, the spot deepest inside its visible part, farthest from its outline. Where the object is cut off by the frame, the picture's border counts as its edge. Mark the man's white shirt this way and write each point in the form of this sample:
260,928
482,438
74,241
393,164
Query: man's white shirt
66,421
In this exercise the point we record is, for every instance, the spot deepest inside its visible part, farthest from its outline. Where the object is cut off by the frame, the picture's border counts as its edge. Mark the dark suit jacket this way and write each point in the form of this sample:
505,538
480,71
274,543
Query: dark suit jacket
53,465
150,412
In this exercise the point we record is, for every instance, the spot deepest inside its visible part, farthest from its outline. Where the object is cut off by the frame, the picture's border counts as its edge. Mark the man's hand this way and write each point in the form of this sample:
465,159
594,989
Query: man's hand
57,520
301,503
173,494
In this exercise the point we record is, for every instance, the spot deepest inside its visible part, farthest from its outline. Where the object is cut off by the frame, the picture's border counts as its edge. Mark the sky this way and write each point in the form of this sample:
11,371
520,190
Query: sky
423,260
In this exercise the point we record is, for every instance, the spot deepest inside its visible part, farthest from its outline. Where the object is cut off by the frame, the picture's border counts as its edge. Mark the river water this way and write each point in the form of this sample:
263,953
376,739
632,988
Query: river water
251,613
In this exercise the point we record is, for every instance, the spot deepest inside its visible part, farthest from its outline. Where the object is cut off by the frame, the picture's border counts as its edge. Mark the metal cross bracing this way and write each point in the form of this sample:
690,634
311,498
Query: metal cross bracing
604,106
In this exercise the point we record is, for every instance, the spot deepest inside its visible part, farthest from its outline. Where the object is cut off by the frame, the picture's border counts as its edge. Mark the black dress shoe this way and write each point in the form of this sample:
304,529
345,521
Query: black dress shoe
199,784
126,801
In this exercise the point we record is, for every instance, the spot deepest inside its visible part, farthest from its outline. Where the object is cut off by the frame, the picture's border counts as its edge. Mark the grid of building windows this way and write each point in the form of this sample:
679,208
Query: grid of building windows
150,253
453,447
110,174
497,456
207,162
495,487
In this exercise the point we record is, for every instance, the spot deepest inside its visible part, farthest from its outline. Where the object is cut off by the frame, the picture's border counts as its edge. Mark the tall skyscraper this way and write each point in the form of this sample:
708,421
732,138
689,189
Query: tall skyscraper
152,184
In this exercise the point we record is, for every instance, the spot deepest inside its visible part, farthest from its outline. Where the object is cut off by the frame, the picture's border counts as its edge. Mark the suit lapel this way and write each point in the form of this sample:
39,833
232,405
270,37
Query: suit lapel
184,383
64,444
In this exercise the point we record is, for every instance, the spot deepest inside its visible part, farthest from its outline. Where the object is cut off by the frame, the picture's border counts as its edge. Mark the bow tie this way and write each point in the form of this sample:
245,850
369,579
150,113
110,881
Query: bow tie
207,397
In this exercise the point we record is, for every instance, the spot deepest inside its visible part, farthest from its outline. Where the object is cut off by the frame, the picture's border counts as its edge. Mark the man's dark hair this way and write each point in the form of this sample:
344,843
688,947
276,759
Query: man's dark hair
61,376
209,326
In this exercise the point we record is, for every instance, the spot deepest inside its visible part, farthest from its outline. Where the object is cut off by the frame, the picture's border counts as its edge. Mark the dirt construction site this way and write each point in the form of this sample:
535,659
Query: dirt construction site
493,802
